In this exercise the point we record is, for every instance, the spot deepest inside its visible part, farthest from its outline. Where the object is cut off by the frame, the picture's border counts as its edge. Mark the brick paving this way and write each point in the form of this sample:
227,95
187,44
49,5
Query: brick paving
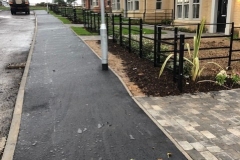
205,125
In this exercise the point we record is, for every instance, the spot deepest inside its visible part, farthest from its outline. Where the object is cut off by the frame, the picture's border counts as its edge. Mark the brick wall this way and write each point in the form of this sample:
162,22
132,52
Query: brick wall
236,13
97,8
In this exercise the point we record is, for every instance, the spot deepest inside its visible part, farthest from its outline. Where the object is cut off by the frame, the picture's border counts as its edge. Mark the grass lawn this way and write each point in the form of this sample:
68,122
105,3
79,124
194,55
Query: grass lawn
54,14
4,8
81,31
63,19
38,8
135,30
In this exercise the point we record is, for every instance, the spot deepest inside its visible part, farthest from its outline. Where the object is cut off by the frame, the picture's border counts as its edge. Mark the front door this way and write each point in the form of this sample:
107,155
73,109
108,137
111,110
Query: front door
222,15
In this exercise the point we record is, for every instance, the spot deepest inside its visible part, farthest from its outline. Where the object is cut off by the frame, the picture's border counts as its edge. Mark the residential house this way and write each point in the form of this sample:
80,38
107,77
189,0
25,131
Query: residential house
148,10
95,5
214,11
185,12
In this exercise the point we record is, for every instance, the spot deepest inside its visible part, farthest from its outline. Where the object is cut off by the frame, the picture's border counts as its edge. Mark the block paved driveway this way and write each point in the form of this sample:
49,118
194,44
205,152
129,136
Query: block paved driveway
205,125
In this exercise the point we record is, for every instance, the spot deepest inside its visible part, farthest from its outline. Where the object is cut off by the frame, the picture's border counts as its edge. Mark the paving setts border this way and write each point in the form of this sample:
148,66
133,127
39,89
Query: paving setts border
205,125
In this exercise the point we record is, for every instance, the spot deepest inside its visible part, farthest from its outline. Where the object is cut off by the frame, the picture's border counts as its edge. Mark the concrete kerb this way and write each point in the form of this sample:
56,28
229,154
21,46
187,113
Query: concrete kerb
139,104
9,149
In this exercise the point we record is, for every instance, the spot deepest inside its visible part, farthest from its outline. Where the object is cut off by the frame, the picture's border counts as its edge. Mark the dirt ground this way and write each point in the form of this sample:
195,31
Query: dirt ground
141,77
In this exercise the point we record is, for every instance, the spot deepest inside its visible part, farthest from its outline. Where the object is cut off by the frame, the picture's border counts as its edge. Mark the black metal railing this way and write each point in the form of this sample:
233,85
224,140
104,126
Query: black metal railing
129,33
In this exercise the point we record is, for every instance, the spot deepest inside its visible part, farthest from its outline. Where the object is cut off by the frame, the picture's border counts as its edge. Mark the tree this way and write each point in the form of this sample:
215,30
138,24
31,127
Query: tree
70,1
60,2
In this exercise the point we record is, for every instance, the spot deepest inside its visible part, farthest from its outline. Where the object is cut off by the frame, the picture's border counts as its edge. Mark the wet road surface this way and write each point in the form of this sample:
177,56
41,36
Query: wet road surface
16,34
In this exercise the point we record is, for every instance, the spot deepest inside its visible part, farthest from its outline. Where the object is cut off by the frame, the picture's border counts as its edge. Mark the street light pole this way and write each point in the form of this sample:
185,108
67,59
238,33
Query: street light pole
47,7
104,43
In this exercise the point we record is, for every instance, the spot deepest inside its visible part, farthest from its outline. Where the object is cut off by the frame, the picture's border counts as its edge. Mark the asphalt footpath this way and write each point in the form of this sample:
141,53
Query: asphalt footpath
73,110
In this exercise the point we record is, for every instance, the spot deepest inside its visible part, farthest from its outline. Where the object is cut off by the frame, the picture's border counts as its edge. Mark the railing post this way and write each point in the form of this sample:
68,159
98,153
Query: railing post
159,37
175,53
230,47
180,69
129,35
155,45
84,18
91,21
113,29
94,27
99,23
65,12
140,38
120,29
88,19
74,15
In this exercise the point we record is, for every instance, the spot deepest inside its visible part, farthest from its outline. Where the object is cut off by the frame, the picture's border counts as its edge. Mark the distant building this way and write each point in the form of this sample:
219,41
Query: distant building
95,5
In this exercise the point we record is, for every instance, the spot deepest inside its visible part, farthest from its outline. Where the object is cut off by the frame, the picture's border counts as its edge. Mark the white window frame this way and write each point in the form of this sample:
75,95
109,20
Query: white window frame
83,3
158,2
194,15
133,5
116,5
95,3
185,9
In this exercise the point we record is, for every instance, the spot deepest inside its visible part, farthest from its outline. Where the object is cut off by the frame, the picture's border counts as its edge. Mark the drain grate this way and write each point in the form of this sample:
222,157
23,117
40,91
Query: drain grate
16,66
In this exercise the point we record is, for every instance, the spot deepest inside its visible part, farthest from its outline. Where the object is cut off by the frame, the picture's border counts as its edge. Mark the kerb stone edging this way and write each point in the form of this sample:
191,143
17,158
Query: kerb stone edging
9,149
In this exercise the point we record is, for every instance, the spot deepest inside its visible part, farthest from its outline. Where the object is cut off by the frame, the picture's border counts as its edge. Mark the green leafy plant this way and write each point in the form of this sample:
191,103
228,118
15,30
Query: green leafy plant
194,57
222,77
166,21
235,77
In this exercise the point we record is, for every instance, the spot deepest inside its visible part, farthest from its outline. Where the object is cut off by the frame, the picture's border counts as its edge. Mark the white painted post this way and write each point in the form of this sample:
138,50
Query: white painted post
229,17
47,7
213,20
104,42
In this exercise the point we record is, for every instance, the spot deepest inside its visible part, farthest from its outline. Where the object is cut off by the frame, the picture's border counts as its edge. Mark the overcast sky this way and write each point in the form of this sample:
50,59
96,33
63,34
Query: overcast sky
50,1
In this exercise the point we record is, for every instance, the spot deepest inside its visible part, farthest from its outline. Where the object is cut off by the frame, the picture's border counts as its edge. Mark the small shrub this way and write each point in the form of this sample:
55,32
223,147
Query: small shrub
223,77
194,56
166,21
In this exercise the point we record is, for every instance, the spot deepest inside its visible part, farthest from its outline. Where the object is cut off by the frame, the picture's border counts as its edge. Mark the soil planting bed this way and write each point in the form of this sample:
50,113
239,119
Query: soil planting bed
141,77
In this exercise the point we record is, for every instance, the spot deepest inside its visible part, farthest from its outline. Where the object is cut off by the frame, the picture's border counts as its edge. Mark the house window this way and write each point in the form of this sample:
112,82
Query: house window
83,4
188,9
116,5
196,6
158,4
133,5
95,3
179,8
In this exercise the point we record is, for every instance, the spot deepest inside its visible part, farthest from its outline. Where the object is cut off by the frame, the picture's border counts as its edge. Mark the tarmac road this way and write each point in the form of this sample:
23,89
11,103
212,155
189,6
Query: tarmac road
74,110
15,40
